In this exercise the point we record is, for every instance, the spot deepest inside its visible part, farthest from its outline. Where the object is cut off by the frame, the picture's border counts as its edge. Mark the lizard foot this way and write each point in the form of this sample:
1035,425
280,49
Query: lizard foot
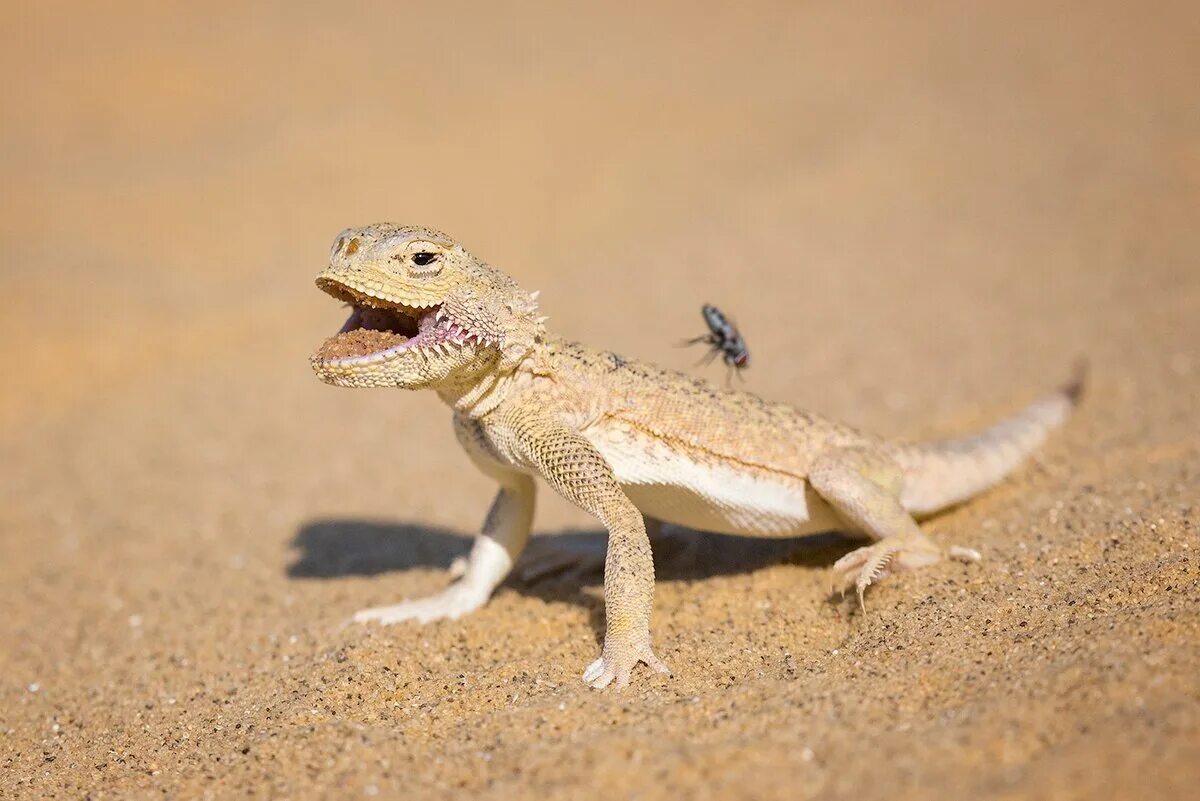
451,603
615,665
873,562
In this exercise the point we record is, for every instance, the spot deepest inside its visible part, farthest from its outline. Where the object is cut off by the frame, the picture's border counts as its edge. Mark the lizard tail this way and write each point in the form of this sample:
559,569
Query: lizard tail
943,473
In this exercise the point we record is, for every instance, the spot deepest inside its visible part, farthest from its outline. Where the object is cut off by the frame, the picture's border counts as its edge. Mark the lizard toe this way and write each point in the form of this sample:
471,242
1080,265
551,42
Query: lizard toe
452,603
593,671
963,554
606,677
870,564
616,667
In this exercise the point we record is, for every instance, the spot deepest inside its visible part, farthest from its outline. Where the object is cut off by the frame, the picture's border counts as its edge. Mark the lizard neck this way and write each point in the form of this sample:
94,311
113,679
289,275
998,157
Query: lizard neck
481,393
479,396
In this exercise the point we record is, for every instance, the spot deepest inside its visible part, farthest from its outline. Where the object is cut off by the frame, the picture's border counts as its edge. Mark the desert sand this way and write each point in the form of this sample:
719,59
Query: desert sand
919,214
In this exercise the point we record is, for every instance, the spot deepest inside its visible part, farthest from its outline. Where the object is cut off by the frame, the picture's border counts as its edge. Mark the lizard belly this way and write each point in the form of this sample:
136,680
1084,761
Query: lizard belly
708,493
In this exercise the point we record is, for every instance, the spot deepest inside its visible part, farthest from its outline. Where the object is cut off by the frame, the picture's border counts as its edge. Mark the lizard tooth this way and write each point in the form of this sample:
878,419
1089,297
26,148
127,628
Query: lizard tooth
534,294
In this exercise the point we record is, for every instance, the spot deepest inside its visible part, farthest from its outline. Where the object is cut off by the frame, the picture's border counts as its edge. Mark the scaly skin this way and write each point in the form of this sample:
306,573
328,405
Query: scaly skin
622,439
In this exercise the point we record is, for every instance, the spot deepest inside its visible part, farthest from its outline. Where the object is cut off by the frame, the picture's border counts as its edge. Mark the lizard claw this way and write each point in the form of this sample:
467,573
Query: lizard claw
615,666
872,563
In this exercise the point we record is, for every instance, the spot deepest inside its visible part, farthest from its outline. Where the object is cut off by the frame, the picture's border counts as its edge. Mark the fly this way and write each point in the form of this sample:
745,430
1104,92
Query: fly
724,340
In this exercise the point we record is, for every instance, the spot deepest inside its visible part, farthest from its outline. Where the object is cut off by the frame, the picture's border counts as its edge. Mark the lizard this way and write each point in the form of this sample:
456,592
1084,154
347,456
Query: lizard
631,443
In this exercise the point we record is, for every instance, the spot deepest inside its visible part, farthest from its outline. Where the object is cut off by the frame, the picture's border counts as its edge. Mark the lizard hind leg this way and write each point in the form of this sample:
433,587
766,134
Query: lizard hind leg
864,489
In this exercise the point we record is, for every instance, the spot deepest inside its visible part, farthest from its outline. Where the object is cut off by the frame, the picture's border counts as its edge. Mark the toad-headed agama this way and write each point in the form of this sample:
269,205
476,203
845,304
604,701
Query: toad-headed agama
628,441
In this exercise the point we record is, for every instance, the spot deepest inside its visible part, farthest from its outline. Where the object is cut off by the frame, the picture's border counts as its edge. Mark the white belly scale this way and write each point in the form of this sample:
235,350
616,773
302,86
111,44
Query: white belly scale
706,493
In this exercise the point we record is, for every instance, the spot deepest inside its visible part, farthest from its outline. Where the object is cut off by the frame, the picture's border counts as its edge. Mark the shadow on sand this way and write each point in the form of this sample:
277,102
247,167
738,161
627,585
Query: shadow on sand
556,568
333,548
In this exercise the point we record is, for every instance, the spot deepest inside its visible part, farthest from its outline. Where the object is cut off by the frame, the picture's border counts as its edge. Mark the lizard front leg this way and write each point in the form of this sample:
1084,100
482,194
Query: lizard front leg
505,533
577,471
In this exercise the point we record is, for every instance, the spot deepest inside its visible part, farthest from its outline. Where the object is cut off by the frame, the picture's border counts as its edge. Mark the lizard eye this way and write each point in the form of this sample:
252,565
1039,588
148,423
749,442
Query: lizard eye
422,259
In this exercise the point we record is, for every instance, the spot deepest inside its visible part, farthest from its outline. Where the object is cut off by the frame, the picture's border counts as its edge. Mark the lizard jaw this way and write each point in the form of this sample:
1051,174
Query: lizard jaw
385,342
374,334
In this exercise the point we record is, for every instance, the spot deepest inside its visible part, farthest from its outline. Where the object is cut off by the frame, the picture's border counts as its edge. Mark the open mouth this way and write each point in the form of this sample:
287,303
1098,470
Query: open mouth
378,330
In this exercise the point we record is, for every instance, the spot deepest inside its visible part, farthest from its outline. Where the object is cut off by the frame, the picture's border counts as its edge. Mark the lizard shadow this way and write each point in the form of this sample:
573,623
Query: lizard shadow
559,567
335,548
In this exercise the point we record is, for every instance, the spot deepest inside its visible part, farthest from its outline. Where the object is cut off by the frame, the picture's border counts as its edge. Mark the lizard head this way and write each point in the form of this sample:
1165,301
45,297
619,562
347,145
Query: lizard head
424,312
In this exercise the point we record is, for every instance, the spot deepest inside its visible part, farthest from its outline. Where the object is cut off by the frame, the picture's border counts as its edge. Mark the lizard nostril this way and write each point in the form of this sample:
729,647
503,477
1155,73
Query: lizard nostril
351,247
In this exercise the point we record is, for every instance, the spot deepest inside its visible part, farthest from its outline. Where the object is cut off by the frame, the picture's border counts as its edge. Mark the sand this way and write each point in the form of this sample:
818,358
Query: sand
919,218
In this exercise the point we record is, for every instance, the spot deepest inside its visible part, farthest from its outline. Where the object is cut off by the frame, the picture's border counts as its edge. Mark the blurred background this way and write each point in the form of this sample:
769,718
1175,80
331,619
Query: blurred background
919,214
